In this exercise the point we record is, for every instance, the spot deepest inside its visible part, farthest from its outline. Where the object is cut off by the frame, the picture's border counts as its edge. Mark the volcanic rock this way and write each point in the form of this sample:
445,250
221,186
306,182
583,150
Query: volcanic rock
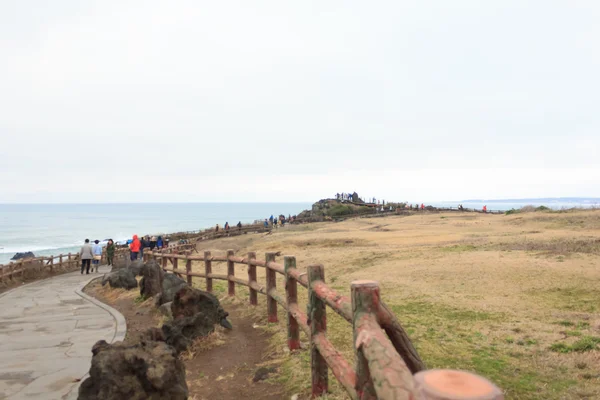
121,278
146,370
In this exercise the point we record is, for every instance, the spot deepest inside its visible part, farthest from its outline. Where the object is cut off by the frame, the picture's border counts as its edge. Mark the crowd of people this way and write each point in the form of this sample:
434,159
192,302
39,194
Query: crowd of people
278,222
91,255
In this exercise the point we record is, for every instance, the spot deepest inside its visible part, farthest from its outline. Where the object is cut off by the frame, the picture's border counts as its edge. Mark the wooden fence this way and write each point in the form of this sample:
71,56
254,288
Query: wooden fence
387,366
68,261
14,269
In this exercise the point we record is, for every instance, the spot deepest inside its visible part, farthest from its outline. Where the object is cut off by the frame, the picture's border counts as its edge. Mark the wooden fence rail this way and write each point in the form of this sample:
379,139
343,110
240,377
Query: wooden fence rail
69,261
386,366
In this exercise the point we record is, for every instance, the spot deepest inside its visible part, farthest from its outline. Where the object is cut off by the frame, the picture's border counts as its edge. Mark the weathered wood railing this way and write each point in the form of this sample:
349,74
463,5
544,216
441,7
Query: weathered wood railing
69,261
387,366
18,268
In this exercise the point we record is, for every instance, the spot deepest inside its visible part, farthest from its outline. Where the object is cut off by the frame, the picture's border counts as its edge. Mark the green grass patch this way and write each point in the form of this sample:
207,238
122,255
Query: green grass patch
575,299
139,299
572,333
423,310
458,248
586,343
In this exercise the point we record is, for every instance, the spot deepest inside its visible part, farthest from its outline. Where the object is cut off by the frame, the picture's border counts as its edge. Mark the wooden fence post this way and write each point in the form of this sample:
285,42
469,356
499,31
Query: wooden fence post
252,278
208,270
51,264
188,269
60,260
11,269
175,262
365,299
271,284
317,318
230,272
69,265
291,291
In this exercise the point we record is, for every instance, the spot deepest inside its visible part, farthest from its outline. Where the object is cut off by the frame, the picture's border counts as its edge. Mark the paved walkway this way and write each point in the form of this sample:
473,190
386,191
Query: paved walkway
47,330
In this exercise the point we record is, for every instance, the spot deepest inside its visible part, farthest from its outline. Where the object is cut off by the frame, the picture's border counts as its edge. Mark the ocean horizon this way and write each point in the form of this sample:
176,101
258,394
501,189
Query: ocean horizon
55,228
52,229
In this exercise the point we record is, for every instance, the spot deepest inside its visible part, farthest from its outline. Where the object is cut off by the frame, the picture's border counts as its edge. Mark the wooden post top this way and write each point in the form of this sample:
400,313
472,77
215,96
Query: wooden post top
438,384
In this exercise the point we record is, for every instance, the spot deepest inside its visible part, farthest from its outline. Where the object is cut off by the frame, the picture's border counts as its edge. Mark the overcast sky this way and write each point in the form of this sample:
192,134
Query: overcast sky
295,101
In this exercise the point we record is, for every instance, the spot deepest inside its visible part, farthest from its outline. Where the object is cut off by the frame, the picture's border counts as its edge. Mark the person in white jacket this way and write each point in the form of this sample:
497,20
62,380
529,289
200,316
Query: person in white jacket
86,255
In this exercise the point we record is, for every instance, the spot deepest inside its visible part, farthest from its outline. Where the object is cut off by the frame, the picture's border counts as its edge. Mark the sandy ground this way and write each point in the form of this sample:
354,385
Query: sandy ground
514,298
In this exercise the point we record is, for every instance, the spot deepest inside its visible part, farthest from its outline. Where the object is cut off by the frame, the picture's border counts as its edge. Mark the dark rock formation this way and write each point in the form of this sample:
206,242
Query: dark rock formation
263,373
121,278
147,370
152,334
136,267
152,277
19,256
181,333
165,310
171,285
189,302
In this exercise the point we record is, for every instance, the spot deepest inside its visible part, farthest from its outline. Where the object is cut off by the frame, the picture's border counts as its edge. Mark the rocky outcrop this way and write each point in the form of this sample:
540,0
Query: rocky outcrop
189,302
136,267
181,333
152,277
171,284
165,310
121,278
325,208
147,370
19,256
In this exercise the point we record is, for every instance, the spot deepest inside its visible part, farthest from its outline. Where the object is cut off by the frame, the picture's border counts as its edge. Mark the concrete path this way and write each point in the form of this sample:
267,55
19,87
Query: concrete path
47,330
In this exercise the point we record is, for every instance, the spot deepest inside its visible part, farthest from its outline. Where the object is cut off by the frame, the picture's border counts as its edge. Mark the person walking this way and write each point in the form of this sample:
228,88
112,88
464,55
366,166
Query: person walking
86,255
143,244
159,242
239,225
110,252
97,250
152,243
135,247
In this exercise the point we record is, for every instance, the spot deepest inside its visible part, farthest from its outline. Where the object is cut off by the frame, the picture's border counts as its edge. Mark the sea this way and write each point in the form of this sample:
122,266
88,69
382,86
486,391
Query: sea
52,229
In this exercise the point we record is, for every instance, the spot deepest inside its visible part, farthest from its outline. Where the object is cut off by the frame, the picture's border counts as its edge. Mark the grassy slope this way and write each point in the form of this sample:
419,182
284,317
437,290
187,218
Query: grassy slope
514,298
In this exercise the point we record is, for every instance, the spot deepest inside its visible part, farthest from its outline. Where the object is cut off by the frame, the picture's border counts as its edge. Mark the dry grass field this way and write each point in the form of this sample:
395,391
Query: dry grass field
515,298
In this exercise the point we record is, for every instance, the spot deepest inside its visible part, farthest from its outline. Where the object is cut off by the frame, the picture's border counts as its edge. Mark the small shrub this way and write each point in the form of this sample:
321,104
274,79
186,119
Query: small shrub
512,211
542,208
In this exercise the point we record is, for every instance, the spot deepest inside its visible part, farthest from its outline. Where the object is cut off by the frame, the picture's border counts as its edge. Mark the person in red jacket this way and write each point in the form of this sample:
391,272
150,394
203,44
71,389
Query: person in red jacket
422,206
135,247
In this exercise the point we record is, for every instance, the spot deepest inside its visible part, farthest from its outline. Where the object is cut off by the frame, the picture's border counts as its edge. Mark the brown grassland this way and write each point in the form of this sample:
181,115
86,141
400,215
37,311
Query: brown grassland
515,298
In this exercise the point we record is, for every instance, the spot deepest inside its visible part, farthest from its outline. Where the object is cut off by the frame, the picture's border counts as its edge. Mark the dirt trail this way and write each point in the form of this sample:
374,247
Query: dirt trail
222,370
226,371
